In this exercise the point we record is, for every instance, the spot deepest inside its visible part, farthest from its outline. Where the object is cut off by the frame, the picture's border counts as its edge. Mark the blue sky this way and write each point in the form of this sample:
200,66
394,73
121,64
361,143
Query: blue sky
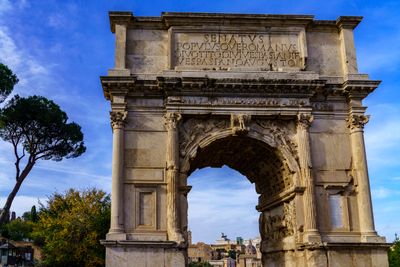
59,49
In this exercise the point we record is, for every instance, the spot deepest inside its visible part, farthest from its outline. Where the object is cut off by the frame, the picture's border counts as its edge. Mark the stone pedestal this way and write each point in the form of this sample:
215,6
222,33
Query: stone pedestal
332,255
149,254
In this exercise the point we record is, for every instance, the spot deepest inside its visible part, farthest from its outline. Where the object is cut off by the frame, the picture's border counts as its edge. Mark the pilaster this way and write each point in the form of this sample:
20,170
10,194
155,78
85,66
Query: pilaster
356,123
172,174
118,119
311,234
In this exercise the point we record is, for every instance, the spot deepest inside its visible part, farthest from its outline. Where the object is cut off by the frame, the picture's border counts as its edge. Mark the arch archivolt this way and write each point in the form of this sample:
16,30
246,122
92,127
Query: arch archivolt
196,134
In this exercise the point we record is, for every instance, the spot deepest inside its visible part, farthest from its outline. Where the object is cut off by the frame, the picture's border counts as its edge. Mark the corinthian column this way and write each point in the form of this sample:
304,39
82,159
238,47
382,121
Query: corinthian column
172,172
360,170
117,124
310,223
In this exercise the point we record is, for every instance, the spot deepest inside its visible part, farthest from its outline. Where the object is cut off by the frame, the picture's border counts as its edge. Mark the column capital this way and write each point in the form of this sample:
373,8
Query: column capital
171,120
118,119
304,120
357,122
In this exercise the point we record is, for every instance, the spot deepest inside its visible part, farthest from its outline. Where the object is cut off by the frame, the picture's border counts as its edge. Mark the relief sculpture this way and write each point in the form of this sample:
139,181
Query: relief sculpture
278,226
239,124
193,130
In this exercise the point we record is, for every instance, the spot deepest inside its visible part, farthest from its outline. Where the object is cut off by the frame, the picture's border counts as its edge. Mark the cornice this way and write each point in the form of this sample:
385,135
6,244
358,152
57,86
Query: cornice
113,85
348,22
119,17
359,89
169,19
205,86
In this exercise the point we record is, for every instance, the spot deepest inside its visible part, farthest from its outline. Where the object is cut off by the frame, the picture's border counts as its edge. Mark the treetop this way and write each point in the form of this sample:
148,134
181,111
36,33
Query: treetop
41,127
7,81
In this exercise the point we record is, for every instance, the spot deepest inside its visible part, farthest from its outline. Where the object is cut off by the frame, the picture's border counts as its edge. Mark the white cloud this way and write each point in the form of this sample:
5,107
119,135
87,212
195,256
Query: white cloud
377,55
381,133
381,136
221,200
9,53
382,192
23,203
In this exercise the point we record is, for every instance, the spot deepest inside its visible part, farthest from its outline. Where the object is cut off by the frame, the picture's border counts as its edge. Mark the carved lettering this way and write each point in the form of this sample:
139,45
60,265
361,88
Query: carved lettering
225,51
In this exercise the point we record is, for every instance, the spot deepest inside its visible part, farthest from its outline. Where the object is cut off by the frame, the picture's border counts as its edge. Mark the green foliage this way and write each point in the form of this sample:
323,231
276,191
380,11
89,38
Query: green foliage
7,81
38,127
17,230
394,253
41,127
31,215
71,226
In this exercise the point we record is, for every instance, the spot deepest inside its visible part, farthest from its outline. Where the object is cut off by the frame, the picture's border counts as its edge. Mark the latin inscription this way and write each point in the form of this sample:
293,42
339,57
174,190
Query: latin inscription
226,51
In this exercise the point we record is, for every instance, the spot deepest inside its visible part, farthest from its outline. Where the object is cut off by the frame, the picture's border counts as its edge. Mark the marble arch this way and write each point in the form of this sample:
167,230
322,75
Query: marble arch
284,91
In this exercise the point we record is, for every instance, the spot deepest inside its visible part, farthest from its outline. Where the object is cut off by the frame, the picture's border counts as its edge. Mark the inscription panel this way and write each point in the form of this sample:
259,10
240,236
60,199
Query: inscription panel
230,50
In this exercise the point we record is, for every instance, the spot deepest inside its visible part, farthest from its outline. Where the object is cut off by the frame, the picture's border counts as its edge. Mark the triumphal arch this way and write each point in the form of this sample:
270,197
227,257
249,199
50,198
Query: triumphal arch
276,97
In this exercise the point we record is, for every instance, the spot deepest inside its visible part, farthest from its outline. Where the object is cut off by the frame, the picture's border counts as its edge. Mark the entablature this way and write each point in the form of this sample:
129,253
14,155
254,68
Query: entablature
246,90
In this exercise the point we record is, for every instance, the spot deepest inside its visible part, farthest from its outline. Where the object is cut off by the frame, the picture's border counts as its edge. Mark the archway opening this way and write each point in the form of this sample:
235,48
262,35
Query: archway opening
263,165
221,201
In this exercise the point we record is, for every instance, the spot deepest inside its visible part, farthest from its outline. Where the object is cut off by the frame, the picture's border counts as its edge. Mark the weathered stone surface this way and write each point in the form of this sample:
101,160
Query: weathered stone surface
150,256
276,97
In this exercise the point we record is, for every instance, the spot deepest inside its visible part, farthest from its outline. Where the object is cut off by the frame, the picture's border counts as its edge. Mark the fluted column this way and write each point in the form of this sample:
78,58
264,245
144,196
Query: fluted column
172,173
360,170
310,213
117,124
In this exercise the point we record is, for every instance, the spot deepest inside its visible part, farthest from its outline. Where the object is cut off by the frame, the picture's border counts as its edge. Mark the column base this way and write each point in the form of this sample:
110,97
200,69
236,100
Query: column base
372,238
144,253
116,236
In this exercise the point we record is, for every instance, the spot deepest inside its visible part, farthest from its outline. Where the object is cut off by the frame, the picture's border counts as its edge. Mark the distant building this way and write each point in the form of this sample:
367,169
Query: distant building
18,253
199,252
226,262
226,253
250,257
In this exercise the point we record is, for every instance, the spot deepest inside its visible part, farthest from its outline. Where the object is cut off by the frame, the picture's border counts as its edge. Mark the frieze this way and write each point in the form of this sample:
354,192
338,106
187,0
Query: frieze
233,101
322,106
